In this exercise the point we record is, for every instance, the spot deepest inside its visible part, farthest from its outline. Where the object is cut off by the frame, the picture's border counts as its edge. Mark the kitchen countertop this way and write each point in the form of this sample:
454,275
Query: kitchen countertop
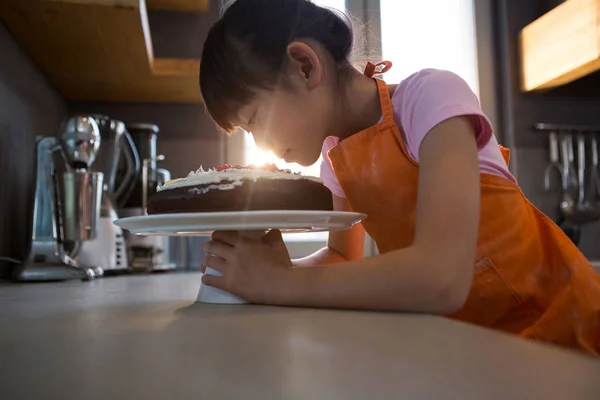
144,337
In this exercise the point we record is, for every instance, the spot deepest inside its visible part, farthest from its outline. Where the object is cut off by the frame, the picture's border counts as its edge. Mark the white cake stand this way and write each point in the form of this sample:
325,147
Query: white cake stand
252,224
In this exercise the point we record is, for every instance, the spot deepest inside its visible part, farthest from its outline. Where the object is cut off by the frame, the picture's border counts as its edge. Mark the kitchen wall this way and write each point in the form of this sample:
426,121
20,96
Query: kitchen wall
577,103
29,106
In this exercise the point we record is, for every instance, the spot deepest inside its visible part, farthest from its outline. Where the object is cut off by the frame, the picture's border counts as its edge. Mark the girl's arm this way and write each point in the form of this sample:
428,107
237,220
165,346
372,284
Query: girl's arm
341,245
434,274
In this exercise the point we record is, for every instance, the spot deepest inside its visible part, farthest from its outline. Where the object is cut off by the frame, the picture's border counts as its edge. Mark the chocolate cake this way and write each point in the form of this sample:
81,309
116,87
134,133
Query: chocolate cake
237,188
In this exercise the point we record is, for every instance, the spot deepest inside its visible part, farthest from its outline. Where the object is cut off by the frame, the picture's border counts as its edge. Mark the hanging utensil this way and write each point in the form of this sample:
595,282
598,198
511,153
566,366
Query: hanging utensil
587,207
594,185
585,211
554,160
571,163
567,204
581,171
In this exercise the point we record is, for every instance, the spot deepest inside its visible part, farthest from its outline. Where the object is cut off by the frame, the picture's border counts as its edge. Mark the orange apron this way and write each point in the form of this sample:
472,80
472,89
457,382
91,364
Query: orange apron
530,279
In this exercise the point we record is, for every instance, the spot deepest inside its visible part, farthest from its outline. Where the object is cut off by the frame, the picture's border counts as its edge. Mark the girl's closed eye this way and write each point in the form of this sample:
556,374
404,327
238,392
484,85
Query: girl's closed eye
252,120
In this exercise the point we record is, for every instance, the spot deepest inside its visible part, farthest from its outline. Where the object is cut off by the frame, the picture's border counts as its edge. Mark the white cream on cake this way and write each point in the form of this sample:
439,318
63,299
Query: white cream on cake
233,177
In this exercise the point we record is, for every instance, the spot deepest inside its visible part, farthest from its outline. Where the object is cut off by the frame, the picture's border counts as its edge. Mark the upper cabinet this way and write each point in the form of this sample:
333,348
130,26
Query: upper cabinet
561,46
101,50
197,6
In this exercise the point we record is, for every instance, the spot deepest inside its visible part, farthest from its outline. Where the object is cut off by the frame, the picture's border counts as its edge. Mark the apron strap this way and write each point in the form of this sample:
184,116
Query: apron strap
386,102
384,94
371,69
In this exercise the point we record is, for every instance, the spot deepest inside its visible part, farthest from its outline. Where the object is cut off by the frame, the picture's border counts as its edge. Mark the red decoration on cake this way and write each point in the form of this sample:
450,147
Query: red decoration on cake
223,167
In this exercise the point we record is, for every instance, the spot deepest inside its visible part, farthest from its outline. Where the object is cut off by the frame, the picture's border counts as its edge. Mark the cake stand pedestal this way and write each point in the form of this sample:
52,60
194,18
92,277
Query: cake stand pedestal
251,224
208,294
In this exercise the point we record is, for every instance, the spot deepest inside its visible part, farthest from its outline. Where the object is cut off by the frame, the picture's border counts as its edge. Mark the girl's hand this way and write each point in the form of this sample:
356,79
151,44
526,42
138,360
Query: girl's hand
252,269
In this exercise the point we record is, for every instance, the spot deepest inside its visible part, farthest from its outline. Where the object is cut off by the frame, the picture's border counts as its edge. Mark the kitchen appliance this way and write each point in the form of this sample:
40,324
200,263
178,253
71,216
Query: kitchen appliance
146,253
144,136
67,203
108,249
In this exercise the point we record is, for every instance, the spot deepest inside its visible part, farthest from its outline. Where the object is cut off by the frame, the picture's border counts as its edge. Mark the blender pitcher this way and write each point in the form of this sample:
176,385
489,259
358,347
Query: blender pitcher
78,195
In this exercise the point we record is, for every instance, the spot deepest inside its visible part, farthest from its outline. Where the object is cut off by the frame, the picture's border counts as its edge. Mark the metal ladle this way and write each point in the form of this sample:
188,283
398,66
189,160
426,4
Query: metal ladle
582,204
594,183
567,205
554,160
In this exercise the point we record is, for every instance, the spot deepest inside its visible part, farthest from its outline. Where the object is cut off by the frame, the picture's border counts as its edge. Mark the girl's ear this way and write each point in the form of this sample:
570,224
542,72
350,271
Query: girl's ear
305,64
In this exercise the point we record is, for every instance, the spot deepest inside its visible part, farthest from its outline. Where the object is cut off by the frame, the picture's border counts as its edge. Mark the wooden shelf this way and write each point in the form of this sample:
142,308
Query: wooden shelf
193,6
561,46
100,50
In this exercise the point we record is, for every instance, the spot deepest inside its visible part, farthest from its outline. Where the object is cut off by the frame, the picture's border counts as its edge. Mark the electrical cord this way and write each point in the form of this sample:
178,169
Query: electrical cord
12,260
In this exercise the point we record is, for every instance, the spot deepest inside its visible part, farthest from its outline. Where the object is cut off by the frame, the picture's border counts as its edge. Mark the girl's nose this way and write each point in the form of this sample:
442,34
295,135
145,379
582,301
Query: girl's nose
263,142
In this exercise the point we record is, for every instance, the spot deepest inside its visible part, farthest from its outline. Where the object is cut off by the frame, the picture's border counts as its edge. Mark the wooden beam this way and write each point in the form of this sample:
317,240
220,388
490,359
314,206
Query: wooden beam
160,90
561,46
99,50
188,67
192,6
77,38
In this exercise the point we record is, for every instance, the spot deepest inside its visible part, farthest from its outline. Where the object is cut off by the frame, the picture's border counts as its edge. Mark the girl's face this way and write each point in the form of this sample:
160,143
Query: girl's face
294,119
293,125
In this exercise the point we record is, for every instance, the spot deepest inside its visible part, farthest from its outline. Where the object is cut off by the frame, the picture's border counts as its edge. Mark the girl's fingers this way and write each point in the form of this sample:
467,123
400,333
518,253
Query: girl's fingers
273,236
218,248
229,237
215,262
214,281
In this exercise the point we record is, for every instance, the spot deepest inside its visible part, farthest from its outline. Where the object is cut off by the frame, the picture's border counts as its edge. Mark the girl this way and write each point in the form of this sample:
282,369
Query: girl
456,235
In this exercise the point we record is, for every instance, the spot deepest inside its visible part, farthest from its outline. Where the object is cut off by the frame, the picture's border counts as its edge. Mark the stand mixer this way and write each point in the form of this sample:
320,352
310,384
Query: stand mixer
67,203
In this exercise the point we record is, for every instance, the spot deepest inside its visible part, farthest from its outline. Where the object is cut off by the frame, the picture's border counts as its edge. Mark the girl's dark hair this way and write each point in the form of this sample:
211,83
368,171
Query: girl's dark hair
246,49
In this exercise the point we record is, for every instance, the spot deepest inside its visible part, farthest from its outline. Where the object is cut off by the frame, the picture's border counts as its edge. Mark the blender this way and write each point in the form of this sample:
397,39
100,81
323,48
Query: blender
67,203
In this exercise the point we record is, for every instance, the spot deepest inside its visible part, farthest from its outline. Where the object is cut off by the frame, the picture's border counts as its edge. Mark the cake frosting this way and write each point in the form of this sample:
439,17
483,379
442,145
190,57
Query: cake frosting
227,177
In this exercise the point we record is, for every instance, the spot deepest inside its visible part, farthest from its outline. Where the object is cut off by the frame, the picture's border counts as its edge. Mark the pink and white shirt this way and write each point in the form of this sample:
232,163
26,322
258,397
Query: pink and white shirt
422,101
